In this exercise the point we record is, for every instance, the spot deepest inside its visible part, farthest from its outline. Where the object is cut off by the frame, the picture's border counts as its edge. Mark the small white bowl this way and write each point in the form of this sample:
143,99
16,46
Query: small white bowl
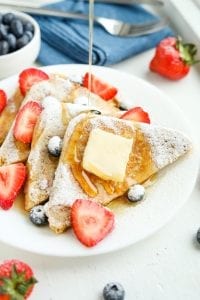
20,59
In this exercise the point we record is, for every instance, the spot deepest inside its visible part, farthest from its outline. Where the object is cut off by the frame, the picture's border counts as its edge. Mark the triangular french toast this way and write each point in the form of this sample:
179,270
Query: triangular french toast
84,171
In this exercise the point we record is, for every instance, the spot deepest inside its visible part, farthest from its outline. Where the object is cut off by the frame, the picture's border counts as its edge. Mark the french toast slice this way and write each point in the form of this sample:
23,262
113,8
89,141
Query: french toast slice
153,148
13,151
8,114
41,165
53,121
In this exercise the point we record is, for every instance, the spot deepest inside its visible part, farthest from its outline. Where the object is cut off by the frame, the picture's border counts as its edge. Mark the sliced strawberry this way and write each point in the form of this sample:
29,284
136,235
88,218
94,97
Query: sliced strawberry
12,178
30,76
99,87
91,222
3,100
136,114
26,120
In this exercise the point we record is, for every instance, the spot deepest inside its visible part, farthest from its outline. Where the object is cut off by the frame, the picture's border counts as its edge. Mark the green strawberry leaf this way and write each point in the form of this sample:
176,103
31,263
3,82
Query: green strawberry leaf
187,52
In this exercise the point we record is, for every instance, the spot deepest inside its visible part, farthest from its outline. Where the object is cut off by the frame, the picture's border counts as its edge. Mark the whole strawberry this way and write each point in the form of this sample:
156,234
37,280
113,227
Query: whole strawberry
173,58
16,280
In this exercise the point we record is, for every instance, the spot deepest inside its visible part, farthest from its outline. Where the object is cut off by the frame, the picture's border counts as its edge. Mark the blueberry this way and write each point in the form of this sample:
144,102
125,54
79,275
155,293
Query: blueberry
96,112
136,193
7,18
22,41
29,34
113,291
37,215
4,47
3,31
121,107
55,146
11,39
28,27
16,27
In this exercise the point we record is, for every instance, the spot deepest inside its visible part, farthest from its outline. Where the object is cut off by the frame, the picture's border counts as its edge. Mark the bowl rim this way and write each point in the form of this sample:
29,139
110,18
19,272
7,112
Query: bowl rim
26,17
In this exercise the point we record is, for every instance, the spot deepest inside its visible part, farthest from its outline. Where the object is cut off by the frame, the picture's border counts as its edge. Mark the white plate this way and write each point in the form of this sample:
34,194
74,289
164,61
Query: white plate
164,198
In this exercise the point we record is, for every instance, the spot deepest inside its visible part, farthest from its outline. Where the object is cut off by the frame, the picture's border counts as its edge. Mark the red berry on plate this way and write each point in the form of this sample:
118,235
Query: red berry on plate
173,58
91,222
136,114
3,100
30,76
12,178
99,87
16,280
26,120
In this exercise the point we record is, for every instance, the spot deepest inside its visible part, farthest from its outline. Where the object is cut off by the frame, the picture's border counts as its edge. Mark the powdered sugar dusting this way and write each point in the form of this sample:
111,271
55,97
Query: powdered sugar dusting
65,188
43,184
57,87
75,109
82,100
52,113
166,144
110,122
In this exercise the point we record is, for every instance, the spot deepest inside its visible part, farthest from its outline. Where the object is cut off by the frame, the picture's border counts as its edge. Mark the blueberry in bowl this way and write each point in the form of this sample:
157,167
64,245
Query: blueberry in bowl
19,42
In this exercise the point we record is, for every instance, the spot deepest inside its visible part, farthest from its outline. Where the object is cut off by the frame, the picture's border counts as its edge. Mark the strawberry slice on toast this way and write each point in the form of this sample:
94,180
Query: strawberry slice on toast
136,114
26,120
3,100
91,221
30,76
12,178
99,87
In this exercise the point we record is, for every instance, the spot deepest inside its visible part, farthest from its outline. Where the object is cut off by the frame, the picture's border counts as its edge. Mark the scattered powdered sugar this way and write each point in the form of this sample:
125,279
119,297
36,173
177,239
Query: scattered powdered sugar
82,100
58,87
110,122
166,144
51,113
65,188
43,184
34,156
75,109
77,78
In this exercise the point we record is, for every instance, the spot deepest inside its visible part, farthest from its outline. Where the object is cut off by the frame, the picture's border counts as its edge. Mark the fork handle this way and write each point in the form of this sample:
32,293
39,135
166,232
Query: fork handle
47,12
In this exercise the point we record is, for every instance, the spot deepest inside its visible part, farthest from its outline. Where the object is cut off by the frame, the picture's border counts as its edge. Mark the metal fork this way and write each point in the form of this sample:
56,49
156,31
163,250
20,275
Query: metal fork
116,27
112,26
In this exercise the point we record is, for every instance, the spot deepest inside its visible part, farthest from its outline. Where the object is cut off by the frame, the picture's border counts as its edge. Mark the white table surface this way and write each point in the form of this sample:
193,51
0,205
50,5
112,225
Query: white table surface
166,265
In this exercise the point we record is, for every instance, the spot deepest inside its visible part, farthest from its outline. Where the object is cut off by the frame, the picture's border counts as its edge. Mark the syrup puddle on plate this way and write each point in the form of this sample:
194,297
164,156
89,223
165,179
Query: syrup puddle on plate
121,204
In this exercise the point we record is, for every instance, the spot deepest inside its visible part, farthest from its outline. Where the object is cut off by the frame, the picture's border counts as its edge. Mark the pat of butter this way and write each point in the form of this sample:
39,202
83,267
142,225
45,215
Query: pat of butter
106,155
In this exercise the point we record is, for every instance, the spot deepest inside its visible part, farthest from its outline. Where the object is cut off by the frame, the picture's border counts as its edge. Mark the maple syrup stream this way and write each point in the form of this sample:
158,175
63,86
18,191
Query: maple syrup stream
91,26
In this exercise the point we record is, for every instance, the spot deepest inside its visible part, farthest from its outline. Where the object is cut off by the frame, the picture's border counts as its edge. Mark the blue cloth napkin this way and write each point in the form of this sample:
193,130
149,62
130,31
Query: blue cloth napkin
66,41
